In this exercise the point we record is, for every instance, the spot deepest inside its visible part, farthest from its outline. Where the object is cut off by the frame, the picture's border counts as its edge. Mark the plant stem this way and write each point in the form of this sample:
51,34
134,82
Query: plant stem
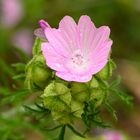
62,133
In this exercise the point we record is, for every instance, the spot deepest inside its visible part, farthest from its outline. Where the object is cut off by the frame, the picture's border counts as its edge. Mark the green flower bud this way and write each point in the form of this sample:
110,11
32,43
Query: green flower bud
40,75
79,91
37,73
57,97
97,96
106,72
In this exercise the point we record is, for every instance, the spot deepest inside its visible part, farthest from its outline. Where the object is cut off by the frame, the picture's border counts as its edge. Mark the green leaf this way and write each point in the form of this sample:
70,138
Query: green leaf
112,64
19,76
32,109
19,67
111,110
75,131
16,96
101,124
128,99
116,82
36,112
6,69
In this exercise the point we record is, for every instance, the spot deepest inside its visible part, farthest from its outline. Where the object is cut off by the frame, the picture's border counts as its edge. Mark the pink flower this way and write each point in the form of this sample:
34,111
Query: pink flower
113,135
40,31
12,12
76,52
23,39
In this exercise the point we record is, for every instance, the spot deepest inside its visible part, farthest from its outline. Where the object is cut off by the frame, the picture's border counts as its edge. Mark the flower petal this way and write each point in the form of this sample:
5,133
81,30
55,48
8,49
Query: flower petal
53,59
74,77
87,32
43,24
68,28
100,57
101,35
55,38
40,33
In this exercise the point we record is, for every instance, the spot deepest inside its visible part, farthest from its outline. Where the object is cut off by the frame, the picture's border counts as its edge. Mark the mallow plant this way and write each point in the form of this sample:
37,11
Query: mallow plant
71,70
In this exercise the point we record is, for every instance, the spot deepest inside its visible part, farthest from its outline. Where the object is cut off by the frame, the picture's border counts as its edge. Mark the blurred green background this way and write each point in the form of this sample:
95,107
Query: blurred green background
19,19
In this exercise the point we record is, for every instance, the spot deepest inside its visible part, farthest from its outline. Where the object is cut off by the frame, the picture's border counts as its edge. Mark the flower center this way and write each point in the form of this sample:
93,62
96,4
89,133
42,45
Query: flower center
77,59
78,62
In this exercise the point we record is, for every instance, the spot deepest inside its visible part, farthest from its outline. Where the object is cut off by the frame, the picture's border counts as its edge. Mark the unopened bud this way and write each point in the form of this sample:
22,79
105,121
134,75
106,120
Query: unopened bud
57,97
106,72
37,73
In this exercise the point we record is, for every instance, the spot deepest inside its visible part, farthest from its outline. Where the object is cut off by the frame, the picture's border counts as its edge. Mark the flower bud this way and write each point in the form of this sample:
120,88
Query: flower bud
41,75
37,73
57,97
106,72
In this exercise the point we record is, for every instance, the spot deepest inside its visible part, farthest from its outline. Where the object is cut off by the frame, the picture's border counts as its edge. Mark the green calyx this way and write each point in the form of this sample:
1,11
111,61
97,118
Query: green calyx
57,97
